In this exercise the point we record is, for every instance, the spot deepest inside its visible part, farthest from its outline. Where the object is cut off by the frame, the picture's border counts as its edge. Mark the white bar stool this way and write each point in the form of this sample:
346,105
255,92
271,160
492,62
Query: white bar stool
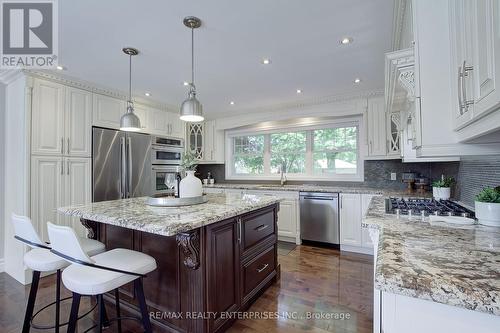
40,259
100,274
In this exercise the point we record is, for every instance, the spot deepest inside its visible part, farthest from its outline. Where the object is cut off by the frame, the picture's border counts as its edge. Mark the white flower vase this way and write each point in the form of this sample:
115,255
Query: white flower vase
488,213
190,186
441,193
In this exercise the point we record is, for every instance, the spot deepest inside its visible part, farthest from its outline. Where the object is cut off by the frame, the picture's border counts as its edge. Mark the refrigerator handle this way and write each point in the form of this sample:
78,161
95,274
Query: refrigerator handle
129,171
123,168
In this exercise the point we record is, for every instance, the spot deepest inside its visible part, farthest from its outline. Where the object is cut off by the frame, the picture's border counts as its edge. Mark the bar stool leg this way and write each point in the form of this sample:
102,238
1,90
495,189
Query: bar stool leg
31,302
117,305
100,307
58,299
142,304
73,317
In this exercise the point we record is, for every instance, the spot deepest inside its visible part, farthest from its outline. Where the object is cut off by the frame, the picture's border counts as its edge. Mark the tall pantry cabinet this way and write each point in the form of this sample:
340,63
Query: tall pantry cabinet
61,125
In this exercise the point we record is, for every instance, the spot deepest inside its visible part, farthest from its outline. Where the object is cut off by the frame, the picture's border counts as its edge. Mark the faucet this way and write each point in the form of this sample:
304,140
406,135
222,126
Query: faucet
282,172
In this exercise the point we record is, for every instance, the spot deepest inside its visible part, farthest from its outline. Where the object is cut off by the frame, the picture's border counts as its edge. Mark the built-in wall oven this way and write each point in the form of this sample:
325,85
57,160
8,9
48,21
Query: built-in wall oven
166,151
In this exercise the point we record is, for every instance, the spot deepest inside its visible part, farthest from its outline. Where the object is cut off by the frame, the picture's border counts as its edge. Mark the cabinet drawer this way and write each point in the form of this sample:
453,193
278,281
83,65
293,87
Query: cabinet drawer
257,269
257,228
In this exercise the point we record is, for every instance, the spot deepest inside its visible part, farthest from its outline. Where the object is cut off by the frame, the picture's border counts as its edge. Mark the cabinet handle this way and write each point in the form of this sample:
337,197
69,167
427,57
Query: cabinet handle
263,268
262,227
341,201
67,167
62,167
465,70
68,146
62,145
239,229
371,147
460,88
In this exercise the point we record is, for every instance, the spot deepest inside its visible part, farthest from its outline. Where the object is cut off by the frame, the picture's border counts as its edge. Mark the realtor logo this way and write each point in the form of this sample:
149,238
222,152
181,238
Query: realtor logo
29,34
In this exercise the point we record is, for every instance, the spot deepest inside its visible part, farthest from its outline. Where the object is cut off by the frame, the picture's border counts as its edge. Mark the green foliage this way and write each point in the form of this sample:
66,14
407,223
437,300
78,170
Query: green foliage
445,182
491,195
189,161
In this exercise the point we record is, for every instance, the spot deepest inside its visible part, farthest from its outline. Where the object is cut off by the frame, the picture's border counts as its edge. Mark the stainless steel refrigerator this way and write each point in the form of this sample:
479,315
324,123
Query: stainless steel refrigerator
121,164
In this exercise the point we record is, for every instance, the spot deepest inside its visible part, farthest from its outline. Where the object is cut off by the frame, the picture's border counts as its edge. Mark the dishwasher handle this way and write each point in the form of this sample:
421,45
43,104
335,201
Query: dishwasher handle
308,197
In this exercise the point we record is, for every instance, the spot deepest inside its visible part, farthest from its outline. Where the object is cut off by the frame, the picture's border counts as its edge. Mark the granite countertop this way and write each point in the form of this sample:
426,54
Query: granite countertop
317,188
168,221
449,264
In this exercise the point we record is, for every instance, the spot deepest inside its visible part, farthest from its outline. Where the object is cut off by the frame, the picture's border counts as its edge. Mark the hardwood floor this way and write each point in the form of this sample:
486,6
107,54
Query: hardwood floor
314,281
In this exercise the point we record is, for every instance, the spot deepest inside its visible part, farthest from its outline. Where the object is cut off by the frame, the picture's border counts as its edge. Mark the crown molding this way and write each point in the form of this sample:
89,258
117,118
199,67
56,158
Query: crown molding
347,97
9,75
53,76
398,20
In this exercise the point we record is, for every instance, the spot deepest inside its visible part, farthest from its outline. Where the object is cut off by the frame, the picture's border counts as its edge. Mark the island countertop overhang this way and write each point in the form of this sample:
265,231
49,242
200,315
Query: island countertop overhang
135,214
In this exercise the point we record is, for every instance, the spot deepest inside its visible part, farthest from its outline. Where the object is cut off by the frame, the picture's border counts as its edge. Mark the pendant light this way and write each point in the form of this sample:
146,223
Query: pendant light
191,108
129,122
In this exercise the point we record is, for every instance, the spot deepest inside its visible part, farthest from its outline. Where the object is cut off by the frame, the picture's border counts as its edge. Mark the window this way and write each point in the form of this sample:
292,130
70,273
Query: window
248,155
323,152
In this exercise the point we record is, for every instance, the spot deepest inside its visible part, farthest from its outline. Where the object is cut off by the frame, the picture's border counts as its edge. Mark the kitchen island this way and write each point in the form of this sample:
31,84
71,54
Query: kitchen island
213,259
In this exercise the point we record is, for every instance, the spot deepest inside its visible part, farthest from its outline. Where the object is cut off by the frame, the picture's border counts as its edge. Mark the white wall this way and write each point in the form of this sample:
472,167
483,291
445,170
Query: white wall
2,168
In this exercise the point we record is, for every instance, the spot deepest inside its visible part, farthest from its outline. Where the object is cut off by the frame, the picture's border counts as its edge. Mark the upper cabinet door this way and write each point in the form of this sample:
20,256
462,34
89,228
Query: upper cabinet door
377,140
143,113
47,118
78,123
158,122
177,126
107,111
485,18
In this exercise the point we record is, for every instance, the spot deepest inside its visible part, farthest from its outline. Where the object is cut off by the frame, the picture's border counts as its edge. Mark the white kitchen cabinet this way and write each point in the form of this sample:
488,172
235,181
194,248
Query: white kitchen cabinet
78,122
143,112
206,142
164,123
61,120
47,118
107,111
195,140
77,188
46,192
56,182
350,219
175,126
287,219
376,117
158,122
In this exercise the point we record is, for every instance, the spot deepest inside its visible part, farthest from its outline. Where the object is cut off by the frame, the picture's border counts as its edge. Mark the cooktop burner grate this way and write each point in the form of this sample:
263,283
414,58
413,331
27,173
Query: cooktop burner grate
426,207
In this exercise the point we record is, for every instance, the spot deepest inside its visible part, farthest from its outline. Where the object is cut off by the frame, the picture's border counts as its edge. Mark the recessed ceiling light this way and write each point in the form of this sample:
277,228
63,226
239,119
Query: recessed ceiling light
60,68
147,94
346,40
299,91
186,83
232,102
266,61
357,80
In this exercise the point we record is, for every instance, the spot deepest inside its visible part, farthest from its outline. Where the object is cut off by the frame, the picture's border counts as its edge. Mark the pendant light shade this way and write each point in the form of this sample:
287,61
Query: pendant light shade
191,108
129,122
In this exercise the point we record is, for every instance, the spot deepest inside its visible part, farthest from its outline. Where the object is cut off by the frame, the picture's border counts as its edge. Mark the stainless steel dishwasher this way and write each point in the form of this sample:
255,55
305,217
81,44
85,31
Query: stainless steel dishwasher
319,217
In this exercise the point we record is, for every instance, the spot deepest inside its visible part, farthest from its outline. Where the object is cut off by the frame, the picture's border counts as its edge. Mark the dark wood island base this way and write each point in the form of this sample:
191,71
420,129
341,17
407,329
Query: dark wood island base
206,276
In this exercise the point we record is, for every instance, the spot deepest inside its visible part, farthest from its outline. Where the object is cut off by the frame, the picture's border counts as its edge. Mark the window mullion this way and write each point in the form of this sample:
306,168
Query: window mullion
267,155
309,153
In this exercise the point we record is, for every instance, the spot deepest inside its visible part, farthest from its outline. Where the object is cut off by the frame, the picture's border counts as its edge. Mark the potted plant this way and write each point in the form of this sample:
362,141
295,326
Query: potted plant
441,189
488,207
190,186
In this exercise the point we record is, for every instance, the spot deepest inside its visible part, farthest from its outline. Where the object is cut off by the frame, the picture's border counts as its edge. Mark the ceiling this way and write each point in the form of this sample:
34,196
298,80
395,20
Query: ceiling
300,37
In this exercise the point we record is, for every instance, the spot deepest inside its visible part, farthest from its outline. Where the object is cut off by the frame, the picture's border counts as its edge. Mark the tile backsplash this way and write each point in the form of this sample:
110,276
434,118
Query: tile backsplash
476,173
377,173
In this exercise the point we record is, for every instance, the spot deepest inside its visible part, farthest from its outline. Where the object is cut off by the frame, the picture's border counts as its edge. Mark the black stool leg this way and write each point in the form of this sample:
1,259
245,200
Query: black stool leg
58,299
117,304
73,317
139,291
31,302
104,314
100,320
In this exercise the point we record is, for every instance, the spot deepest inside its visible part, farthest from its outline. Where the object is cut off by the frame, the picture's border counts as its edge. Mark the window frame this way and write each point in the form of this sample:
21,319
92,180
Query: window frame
309,175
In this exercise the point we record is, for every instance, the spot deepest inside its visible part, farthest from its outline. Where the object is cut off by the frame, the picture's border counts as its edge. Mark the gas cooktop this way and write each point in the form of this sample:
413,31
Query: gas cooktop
426,207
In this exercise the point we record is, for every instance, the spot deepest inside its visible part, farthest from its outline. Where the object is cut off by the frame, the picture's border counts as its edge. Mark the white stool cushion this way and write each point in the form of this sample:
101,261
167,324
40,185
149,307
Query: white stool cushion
43,260
91,246
87,280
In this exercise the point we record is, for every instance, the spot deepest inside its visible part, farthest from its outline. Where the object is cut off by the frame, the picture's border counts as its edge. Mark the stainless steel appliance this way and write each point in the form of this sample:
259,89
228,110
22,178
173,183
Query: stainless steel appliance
159,174
319,217
426,207
166,151
121,164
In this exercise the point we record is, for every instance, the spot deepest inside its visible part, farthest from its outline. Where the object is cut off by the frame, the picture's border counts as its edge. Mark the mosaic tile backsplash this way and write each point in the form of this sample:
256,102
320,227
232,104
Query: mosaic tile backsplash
476,173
